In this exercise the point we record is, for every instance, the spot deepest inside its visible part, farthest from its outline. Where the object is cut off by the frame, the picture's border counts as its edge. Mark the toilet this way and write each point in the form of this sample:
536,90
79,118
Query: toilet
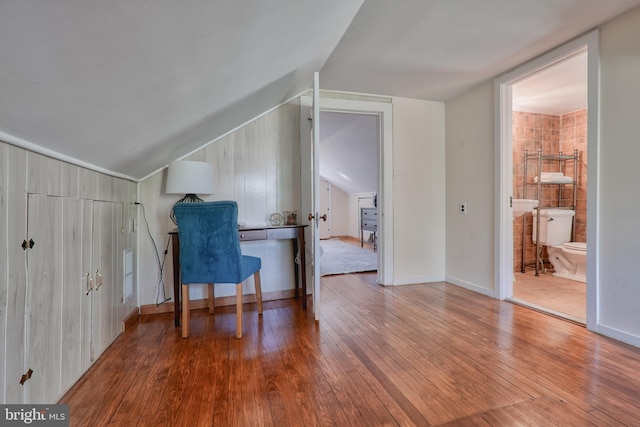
569,259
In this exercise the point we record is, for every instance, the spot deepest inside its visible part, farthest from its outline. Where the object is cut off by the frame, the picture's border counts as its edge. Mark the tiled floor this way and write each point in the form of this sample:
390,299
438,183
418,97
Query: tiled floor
562,297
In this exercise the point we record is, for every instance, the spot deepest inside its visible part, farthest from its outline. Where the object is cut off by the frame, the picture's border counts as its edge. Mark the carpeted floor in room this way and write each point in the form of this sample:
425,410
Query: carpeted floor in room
341,257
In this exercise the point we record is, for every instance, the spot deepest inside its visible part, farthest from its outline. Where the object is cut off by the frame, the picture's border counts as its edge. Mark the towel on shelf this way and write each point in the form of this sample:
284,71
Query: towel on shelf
563,179
550,175
556,177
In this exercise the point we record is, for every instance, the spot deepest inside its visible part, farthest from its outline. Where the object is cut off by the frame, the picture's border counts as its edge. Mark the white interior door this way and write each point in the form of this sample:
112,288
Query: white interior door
309,133
315,204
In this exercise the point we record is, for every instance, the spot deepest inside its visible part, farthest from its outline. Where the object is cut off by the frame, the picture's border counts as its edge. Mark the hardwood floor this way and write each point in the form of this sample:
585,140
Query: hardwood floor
418,355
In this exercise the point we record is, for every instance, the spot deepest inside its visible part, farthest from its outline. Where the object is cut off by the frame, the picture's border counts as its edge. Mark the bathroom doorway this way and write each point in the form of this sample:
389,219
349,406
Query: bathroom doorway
534,115
549,132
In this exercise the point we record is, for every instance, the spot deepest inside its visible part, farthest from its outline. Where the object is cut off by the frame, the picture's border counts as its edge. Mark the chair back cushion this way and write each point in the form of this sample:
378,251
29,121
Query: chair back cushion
209,242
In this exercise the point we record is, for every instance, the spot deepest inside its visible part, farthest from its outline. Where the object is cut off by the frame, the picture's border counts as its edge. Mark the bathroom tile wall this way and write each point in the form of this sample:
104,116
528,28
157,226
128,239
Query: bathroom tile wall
573,135
553,134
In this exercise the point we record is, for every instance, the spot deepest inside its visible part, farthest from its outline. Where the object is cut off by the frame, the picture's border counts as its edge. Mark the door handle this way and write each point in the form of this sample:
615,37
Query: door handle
323,217
89,283
99,279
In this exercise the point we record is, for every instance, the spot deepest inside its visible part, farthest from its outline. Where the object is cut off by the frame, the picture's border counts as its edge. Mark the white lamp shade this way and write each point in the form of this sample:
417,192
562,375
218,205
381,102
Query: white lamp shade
190,177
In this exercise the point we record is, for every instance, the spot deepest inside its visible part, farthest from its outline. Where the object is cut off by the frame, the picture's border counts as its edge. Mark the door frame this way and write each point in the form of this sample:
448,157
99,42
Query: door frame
504,172
385,166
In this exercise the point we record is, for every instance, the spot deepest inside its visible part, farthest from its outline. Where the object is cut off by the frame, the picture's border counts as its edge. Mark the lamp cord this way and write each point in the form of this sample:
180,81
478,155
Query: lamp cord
160,284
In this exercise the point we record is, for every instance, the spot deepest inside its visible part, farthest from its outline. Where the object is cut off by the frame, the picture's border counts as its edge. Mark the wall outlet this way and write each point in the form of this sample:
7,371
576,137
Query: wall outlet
462,208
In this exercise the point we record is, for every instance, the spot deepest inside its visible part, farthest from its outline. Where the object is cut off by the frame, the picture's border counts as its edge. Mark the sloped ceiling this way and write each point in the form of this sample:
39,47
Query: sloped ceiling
128,85
349,151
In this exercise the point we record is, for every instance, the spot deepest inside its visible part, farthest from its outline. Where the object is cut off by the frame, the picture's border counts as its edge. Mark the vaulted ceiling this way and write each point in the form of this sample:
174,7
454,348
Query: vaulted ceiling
128,85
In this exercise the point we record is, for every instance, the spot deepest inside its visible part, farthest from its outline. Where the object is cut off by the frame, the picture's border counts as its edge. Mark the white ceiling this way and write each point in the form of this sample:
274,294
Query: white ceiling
556,90
129,85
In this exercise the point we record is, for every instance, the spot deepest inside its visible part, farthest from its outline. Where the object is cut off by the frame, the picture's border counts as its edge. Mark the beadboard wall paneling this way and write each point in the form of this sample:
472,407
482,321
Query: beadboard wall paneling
4,291
16,231
258,165
42,289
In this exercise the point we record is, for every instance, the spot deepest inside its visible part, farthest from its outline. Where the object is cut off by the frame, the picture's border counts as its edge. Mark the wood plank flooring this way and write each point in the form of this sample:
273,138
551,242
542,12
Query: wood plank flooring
419,355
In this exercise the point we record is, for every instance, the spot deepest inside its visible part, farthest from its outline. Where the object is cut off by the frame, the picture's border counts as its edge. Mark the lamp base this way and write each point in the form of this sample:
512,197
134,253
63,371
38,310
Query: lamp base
188,198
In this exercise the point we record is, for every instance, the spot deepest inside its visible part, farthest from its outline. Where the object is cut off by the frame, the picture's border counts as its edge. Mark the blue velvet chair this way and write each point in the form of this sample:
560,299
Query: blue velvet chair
210,253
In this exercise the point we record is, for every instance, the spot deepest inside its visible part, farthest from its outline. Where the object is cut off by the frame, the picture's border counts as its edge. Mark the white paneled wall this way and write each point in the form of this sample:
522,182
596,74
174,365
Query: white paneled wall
258,166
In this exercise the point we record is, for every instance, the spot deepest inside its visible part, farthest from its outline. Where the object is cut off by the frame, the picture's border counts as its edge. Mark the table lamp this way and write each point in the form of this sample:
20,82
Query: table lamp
189,178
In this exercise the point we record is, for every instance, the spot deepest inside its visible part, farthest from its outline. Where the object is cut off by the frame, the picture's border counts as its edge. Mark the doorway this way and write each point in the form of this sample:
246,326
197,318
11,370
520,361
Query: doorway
507,190
349,166
382,110
549,131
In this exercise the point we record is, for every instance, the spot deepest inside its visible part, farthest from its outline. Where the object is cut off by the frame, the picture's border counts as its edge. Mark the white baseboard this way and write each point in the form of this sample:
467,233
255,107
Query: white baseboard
471,286
417,280
616,334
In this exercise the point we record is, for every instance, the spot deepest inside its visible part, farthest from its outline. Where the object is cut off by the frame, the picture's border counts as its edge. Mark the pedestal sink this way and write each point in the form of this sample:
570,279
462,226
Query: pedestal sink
521,206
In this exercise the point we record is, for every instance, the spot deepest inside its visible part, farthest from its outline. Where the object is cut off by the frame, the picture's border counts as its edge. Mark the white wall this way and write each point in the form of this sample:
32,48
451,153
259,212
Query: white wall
418,190
470,177
619,174
339,212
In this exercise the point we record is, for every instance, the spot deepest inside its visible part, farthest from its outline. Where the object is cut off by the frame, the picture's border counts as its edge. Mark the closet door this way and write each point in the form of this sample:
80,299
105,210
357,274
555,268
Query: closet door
55,305
88,284
108,276
43,308
13,217
77,235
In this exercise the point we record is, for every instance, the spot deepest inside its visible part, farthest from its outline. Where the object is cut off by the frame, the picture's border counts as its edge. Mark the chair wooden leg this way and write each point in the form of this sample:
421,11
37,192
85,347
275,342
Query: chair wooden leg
239,310
211,299
185,310
256,279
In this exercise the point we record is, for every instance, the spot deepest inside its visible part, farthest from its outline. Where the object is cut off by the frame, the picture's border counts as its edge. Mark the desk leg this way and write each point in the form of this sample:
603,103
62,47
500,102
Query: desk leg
175,246
296,268
302,267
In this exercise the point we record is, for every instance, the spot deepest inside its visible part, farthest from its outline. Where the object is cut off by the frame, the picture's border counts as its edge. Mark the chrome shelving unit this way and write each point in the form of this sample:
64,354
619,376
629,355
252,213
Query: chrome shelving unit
537,186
